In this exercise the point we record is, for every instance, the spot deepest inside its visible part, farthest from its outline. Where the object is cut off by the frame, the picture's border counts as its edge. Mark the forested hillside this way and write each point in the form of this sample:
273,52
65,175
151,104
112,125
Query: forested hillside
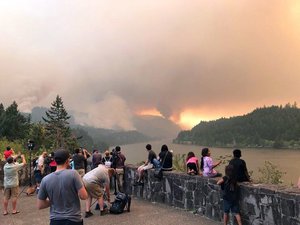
274,126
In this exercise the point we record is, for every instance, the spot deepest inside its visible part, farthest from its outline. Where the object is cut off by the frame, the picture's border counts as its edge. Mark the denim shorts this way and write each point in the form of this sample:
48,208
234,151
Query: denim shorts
38,176
232,206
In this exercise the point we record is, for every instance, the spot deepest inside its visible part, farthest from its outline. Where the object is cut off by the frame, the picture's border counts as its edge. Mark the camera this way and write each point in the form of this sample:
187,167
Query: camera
30,145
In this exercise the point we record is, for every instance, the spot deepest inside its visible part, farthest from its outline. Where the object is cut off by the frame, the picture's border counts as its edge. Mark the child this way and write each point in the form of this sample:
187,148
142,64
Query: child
192,164
230,191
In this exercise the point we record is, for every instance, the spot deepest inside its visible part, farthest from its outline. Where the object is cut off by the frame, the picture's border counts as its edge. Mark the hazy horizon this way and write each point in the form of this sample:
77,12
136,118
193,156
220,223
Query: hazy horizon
187,62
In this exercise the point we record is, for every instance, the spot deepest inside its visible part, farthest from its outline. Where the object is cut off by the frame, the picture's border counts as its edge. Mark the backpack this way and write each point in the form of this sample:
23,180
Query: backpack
34,163
107,162
121,200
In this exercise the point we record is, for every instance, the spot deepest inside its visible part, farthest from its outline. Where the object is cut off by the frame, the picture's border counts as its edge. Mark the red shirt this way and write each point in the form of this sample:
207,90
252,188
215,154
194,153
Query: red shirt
7,153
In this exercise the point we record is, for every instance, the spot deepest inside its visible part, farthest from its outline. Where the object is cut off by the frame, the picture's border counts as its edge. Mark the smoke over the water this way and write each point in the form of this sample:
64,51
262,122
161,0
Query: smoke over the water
110,60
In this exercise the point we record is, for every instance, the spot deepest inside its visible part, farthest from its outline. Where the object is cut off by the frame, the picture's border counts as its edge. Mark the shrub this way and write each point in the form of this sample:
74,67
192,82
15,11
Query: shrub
270,174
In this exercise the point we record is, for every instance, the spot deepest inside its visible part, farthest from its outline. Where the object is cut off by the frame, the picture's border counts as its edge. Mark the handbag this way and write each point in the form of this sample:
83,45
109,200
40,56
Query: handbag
158,172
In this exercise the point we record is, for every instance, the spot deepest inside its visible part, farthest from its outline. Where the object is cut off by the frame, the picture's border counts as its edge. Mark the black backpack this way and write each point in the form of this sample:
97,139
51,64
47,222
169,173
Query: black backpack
121,200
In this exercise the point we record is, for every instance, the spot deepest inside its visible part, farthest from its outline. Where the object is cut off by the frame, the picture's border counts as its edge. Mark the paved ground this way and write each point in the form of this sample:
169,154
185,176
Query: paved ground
142,213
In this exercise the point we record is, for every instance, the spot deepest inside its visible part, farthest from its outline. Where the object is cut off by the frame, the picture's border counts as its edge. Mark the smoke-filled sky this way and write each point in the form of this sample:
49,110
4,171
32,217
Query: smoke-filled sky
186,60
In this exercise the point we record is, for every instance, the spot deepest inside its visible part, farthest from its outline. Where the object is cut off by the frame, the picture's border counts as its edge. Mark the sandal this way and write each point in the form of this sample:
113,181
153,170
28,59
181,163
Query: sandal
5,213
16,212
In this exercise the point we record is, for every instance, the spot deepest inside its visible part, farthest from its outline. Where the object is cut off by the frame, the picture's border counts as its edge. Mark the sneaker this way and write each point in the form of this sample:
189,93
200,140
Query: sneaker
103,212
88,214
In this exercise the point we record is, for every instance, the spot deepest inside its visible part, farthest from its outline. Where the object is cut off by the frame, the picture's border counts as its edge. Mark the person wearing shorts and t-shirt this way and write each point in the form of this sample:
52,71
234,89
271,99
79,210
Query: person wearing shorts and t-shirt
146,166
62,191
11,183
96,182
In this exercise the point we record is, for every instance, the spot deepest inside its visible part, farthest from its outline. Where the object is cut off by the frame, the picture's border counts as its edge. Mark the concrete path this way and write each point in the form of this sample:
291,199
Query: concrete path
142,213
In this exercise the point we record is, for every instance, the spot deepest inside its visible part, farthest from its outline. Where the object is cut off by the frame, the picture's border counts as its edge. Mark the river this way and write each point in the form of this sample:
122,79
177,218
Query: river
287,160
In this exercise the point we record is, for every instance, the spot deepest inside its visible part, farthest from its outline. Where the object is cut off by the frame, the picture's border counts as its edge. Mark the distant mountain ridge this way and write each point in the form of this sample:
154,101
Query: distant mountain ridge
274,126
147,128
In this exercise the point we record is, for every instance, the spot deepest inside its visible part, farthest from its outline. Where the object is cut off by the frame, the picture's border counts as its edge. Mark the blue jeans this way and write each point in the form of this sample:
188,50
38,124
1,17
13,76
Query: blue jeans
156,163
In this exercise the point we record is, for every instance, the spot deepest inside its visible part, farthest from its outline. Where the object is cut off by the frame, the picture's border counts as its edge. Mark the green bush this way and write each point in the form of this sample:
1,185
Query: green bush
179,162
270,174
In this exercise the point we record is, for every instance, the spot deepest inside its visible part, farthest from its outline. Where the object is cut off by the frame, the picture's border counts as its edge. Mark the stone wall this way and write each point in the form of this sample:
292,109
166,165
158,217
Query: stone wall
259,204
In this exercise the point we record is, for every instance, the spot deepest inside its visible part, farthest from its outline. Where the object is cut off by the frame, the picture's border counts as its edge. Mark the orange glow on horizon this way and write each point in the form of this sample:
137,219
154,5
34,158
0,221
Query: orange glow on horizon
149,112
190,118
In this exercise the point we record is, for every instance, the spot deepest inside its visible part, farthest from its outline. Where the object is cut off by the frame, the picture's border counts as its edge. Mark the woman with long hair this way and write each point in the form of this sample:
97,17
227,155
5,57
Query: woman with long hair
207,165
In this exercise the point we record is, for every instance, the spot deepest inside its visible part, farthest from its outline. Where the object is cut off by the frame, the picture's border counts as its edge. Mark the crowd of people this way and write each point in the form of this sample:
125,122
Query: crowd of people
62,179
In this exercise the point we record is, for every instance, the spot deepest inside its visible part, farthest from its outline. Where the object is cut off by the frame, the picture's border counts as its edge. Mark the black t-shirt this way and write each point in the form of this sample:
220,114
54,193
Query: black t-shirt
166,159
230,192
151,156
78,161
240,169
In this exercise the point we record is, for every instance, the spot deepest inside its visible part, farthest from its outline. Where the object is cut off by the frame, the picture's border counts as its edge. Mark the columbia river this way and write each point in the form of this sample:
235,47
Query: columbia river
287,160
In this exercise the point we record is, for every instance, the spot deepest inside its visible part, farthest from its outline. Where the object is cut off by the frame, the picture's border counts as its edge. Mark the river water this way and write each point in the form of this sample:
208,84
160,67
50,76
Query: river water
287,160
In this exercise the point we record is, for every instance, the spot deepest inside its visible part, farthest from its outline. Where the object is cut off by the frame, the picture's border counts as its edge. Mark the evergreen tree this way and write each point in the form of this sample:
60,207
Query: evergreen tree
57,126
13,124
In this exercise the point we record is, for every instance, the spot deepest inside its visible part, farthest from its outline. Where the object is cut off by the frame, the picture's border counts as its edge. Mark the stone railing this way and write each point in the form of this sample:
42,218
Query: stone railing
259,204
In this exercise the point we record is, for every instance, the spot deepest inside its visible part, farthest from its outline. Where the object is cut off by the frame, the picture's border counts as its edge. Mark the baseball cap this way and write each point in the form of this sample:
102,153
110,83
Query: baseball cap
61,156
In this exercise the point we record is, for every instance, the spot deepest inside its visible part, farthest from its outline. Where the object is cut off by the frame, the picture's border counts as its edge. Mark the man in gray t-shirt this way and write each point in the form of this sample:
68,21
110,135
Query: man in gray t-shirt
95,182
61,191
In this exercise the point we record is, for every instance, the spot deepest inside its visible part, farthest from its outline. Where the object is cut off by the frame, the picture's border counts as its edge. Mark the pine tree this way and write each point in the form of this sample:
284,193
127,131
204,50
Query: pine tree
58,132
13,124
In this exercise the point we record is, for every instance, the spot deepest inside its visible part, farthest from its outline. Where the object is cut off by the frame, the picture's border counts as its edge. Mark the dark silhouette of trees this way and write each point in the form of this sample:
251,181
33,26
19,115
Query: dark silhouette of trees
57,130
274,126
13,125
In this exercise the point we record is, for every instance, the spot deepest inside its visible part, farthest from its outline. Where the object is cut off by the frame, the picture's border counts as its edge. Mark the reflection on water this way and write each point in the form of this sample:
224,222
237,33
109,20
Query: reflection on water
287,160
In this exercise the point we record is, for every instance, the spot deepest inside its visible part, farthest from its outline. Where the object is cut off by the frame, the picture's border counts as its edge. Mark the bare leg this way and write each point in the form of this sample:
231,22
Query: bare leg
226,217
14,205
88,204
5,204
238,219
101,203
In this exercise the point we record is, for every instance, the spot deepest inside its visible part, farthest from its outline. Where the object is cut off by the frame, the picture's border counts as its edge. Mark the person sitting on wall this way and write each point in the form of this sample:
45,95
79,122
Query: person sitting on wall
192,164
146,166
166,158
239,165
207,165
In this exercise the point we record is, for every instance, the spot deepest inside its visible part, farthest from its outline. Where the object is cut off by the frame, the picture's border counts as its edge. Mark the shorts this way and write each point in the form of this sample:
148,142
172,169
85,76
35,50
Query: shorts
232,206
192,166
147,167
94,190
11,192
38,176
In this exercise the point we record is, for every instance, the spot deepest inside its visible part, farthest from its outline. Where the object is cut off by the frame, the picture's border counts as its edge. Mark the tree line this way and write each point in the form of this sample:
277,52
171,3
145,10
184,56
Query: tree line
53,133
274,126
